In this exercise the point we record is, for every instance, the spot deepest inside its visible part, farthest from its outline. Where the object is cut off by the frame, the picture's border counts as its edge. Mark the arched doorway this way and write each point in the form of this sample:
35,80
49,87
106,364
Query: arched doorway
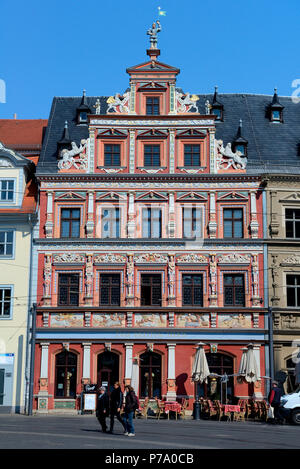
220,364
150,375
107,369
65,375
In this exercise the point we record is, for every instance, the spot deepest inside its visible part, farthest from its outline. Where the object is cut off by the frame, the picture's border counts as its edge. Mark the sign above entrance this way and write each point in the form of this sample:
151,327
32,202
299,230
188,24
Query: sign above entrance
7,358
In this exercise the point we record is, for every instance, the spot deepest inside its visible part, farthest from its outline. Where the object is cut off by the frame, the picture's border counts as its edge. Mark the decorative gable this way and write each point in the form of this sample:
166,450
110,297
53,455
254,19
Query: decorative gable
191,197
111,196
152,87
112,133
191,133
291,198
70,196
153,197
153,133
238,196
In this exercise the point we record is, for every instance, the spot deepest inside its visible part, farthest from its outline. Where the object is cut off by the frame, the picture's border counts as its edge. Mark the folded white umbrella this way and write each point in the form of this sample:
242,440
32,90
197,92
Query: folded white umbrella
251,371
242,368
200,371
297,370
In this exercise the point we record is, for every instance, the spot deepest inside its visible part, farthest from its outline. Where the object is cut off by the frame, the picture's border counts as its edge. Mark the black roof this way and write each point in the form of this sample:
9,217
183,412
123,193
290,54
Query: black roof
272,147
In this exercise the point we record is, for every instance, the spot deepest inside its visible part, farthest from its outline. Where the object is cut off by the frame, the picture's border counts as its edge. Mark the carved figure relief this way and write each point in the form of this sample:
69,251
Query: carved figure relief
188,320
118,103
186,102
232,321
68,159
108,320
68,258
234,259
150,320
109,259
151,257
192,258
226,158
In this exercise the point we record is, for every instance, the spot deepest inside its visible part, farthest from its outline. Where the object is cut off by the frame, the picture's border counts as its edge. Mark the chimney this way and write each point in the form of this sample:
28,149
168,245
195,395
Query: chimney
15,116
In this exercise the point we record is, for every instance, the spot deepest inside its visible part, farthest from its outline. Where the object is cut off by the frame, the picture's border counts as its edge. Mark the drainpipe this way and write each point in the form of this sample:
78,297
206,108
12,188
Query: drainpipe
270,317
33,332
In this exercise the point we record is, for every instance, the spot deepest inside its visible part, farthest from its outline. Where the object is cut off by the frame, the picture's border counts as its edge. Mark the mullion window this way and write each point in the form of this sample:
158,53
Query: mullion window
70,223
152,106
112,155
292,223
7,190
6,243
191,222
110,289
111,223
151,290
5,302
152,155
233,223
192,287
191,155
68,289
293,290
151,223
234,290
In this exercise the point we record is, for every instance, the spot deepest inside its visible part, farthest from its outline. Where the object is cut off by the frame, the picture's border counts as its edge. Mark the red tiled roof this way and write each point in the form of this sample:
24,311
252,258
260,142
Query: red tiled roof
22,133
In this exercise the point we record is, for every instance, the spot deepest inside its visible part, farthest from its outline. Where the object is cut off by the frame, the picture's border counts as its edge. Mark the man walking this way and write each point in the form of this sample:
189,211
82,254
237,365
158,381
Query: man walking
131,404
102,410
274,400
116,403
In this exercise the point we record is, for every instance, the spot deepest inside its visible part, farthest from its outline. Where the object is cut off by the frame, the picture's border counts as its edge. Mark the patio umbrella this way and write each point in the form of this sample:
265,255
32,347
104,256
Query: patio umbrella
251,370
242,368
200,371
297,370
135,374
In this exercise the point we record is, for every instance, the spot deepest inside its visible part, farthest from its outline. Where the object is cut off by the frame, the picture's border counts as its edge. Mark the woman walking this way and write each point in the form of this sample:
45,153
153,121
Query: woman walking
116,403
102,408
131,404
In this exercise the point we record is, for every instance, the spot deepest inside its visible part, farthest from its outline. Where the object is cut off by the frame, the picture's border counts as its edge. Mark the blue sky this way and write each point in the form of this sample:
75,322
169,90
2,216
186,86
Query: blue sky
59,47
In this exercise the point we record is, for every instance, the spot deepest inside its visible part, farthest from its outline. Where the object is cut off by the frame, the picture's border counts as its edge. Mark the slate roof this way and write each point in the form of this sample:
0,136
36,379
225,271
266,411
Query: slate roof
272,147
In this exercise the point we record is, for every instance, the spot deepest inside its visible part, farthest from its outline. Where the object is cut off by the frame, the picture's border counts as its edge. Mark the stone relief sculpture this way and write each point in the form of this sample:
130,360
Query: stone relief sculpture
68,258
226,158
47,279
171,279
186,102
130,280
89,275
118,103
68,159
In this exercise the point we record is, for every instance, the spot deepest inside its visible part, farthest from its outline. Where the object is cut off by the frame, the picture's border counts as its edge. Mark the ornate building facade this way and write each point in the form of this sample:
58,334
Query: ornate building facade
150,240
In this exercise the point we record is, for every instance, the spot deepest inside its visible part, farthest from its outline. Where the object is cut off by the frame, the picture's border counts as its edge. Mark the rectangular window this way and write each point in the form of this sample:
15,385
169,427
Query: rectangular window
293,290
68,289
191,155
234,290
110,289
7,190
111,223
292,223
150,289
152,155
233,222
6,243
191,222
192,289
112,155
5,302
70,223
151,223
152,106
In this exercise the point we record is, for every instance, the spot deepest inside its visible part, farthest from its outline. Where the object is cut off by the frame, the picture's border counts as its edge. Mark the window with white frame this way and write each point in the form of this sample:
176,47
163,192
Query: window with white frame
5,302
191,222
7,187
151,222
6,243
110,222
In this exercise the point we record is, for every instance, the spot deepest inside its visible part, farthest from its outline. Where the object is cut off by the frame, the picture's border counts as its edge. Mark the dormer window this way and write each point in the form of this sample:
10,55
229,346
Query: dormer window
217,107
276,109
83,110
240,143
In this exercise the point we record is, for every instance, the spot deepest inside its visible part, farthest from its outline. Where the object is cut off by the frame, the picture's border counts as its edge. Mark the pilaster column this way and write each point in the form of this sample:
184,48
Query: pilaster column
212,225
86,368
172,151
131,216
47,279
89,280
253,223
171,393
212,151
43,391
255,281
128,363
173,110
274,225
213,297
130,280
132,98
49,220
258,384
171,224
171,280
90,221
131,150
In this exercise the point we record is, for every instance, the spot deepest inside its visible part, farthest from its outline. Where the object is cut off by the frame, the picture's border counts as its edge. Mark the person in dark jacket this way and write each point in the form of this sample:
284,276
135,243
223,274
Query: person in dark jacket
102,410
274,400
116,403
131,404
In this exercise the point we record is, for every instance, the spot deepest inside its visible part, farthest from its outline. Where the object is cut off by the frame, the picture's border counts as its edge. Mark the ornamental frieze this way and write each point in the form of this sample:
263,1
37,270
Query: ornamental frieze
234,258
109,259
192,259
68,258
291,260
150,258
